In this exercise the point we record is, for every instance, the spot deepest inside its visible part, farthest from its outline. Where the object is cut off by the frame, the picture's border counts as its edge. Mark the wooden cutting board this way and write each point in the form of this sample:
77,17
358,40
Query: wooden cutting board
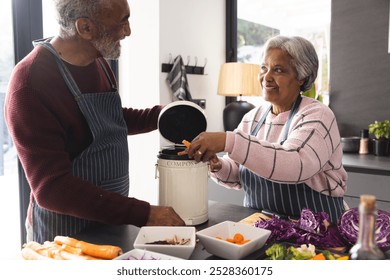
250,220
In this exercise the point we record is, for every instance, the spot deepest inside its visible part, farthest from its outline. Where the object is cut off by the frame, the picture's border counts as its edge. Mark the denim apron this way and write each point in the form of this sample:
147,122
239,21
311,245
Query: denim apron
104,163
285,199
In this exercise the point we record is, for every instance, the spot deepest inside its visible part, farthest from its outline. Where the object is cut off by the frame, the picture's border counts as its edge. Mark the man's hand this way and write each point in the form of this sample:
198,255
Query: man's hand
164,216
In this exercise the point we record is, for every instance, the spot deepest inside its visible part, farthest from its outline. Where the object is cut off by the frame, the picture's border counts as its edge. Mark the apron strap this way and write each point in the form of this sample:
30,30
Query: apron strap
293,111
261,121
70,82
112,83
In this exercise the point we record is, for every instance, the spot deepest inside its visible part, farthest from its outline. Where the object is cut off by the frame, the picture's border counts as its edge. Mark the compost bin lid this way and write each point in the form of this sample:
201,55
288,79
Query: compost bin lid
181,120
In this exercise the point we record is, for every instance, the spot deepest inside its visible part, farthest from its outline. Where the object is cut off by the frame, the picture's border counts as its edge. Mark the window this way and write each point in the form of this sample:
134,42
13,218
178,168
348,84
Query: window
8,170
50,25
258,20
22,24
9,206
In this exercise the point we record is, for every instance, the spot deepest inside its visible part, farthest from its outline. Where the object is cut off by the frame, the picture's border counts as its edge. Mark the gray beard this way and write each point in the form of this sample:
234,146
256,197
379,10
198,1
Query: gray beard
107,47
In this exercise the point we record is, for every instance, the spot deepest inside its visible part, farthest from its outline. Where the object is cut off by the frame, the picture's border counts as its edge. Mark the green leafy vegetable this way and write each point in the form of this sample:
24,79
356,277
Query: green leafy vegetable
279,251
328,255
276,252
295,254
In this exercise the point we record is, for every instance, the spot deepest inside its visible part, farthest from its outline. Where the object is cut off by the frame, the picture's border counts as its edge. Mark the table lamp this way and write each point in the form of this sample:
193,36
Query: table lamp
237,79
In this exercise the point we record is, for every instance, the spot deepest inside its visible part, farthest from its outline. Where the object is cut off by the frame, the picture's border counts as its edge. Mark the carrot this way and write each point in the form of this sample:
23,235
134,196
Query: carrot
186,143
30,254
319,256
94,250
43,250
182,153
69,256
70,249
238,238
67,252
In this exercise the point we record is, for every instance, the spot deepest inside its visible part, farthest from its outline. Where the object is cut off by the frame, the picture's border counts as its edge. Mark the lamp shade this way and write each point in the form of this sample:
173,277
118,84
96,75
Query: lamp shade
239,79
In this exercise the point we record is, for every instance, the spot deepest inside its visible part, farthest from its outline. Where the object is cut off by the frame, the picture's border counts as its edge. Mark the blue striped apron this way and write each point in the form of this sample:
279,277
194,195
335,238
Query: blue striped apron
104,163
285,199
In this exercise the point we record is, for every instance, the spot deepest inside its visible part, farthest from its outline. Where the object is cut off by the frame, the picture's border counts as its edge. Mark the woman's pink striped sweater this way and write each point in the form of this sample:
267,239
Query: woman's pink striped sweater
312,153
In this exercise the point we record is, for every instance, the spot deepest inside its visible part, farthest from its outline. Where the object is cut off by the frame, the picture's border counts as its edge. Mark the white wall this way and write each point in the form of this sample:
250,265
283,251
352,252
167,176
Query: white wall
139,88
195,29
159,28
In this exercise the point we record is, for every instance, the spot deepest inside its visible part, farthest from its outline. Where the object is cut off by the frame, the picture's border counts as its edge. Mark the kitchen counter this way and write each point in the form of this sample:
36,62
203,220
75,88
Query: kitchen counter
367,164
124,236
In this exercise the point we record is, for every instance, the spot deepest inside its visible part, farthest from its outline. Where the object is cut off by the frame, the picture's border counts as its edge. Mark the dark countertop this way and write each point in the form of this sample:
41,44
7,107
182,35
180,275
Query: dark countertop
368,164
124,235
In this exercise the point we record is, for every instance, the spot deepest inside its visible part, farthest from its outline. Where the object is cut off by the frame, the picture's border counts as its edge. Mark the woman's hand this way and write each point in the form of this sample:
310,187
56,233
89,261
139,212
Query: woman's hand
215,164
206,145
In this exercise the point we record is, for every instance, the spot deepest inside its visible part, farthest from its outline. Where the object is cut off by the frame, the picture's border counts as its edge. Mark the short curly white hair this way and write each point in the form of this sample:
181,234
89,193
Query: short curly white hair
68,11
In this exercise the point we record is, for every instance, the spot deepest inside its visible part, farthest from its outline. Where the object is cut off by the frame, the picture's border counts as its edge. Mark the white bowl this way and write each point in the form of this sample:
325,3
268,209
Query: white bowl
214,239
149,234
139,254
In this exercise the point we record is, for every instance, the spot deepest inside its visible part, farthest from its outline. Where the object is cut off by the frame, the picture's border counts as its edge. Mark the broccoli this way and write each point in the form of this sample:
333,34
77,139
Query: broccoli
296,254
276,252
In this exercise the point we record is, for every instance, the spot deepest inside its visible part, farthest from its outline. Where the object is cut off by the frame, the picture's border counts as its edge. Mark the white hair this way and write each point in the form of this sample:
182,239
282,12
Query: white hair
68,11
304,56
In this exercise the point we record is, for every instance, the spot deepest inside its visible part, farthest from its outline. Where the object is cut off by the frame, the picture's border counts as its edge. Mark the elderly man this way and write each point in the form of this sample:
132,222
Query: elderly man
70,130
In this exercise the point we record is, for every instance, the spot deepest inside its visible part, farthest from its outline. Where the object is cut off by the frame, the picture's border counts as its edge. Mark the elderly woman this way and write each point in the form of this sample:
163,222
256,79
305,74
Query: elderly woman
286,154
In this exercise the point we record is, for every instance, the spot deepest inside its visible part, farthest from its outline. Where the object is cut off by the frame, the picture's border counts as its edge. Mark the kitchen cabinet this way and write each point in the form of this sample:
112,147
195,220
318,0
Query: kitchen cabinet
367,174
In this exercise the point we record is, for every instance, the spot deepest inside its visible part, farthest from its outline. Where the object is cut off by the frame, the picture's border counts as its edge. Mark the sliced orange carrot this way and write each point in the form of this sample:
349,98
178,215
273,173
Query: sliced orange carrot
238,238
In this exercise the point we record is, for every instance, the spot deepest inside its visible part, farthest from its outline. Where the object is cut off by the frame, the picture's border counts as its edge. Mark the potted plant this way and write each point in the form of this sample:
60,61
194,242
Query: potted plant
381,131
313,94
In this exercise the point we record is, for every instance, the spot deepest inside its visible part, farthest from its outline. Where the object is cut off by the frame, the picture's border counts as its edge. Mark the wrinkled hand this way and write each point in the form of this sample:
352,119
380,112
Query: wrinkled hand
164,216
206,145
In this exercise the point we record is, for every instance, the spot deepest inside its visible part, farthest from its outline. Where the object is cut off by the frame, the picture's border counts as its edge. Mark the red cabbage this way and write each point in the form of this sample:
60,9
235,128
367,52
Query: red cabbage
349,227
311,228
316,223
331,238
281,230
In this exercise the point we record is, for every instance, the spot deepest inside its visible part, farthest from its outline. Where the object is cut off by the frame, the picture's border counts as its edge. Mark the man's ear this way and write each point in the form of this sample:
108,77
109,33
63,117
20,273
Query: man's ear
86,28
